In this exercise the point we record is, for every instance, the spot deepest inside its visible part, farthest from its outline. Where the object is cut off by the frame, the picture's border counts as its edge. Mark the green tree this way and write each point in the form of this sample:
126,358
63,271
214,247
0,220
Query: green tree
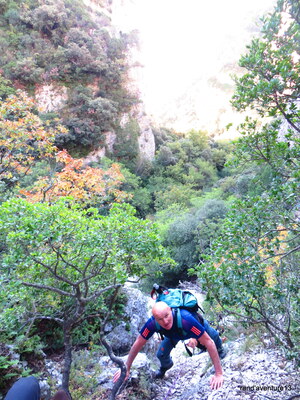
57,260
6,88
253,268
189,234
139,196
272,82
252,271
126,147
184,166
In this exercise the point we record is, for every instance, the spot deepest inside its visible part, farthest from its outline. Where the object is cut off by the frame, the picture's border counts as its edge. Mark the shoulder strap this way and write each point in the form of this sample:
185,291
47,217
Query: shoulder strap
188,350
179,327
158,327
179,321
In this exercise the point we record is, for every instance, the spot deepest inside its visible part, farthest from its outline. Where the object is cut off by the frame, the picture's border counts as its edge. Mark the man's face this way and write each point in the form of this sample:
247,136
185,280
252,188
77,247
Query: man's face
164,318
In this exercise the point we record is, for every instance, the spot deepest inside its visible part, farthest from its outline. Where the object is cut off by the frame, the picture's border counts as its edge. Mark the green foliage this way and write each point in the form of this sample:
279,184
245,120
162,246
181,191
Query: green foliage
252,270
268,145
271,84
126,148
189,234
30,345
36,234
58,42
83,385
174,194
141,388
86,117
58,261
141,198
6,88
8,370
185,166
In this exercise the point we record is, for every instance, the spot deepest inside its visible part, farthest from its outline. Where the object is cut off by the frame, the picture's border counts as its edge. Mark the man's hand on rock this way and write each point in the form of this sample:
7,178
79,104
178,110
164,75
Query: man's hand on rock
216,381
192,343
118,374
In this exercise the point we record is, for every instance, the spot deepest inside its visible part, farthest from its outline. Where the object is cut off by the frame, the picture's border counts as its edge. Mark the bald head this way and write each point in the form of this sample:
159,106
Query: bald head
159,307
163,314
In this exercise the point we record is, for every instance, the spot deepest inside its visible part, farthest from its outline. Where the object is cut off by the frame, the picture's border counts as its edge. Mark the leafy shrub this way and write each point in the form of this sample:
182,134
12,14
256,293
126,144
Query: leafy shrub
6,88
126,147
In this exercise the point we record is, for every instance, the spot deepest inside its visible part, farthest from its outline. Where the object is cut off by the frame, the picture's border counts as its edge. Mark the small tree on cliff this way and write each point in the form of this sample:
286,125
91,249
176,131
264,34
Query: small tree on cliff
271,84
24,140
58,259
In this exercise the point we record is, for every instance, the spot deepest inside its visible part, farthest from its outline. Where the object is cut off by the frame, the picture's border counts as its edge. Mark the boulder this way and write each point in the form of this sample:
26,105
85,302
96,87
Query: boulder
136,313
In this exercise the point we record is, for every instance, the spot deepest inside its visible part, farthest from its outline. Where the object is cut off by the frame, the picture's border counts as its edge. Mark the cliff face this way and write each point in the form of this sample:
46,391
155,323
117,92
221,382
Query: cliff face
52,96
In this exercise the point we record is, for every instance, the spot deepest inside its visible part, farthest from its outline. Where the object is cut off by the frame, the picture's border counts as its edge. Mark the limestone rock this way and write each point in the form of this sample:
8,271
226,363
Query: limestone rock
50,97
123,335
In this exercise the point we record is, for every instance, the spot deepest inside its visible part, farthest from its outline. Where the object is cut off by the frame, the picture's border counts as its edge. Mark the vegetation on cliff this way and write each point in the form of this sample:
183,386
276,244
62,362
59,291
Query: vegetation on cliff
60,43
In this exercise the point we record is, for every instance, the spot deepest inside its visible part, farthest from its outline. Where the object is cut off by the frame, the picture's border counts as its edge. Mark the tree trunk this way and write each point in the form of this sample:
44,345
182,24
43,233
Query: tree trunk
118,385
67,358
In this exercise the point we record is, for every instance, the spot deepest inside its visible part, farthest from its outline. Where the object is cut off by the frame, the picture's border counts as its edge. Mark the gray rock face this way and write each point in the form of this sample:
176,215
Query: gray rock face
249,375
141,364
122,337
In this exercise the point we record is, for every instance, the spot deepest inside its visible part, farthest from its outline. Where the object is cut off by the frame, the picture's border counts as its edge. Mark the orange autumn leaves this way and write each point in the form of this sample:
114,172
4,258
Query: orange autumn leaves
25,140
84,184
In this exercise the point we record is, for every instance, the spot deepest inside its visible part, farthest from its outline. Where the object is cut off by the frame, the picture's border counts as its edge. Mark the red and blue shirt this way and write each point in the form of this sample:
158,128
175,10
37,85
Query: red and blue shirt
191,327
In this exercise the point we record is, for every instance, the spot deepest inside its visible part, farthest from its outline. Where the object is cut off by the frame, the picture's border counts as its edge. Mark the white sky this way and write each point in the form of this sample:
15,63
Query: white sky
182,40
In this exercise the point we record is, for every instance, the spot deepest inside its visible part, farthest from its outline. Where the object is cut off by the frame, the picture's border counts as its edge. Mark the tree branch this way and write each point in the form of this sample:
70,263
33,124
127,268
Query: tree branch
282,255
59,255
118,385
54,273
46,287
85,300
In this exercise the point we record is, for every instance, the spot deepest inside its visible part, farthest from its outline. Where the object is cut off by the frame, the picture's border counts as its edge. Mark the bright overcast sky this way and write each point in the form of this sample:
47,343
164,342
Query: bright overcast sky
181,40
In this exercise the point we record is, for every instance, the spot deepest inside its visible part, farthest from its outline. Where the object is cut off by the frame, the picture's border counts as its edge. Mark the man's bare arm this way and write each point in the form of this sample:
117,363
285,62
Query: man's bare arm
135,349
217,380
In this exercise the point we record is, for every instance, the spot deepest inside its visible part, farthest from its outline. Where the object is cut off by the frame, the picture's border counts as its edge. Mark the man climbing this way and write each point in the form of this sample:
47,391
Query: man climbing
163,320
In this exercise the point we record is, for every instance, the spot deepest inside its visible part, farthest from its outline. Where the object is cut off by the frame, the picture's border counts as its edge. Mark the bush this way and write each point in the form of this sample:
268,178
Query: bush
6,88
126,147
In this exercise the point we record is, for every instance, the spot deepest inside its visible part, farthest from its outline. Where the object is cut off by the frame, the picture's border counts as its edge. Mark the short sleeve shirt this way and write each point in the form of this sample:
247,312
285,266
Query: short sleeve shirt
190,325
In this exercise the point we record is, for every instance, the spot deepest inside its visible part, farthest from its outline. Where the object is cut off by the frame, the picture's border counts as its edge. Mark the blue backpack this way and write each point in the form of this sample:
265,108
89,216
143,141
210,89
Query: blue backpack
177,299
